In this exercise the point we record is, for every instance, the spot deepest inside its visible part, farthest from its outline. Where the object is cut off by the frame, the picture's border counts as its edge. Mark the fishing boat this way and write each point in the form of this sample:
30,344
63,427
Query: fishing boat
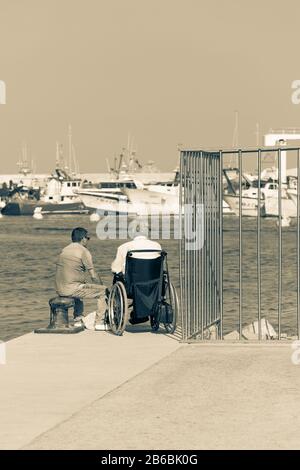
58,197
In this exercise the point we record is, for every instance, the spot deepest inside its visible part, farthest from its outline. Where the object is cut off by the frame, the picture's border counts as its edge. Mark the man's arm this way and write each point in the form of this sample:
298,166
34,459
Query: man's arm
95,277
88,264
117,266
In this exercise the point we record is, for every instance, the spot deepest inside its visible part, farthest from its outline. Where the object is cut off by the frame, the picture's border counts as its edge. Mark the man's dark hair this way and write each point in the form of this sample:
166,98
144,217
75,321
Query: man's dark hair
78,234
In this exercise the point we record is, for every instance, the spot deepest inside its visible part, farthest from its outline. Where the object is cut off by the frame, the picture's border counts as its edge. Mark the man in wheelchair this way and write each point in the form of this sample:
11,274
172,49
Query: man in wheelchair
141,275
139,247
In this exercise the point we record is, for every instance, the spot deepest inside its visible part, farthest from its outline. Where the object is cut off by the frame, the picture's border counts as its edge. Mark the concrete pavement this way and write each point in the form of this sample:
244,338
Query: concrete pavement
48,378
145,391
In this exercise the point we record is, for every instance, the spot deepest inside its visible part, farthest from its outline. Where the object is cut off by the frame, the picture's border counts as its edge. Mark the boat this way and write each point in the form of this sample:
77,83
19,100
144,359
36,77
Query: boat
249,198
107,197
58,197
146,201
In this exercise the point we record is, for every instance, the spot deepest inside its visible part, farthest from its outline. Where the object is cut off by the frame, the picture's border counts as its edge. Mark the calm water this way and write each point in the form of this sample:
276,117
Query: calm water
29,249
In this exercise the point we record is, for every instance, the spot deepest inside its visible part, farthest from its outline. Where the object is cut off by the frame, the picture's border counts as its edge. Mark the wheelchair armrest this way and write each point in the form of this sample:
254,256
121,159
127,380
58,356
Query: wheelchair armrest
119,277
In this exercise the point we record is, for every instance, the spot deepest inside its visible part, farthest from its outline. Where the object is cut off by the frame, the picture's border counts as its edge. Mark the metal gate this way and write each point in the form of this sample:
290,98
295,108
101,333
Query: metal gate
201,242
205,261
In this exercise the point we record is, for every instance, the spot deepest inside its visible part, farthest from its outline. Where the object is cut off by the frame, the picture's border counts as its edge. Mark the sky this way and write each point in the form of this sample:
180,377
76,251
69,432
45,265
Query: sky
167,72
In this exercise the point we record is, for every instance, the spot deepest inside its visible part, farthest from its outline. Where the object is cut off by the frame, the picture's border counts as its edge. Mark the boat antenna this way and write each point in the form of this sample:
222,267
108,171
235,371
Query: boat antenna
76,164
70,148
108,165
257,134
57,155
235,138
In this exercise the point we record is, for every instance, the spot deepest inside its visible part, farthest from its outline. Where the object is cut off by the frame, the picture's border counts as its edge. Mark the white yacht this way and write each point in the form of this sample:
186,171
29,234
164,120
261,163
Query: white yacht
107,197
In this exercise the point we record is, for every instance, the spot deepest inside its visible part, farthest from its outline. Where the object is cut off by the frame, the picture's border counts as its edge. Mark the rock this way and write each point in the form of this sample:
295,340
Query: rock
232,336
267,330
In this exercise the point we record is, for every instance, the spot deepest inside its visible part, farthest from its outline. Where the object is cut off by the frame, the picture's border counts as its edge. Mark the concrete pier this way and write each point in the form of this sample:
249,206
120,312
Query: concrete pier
147,391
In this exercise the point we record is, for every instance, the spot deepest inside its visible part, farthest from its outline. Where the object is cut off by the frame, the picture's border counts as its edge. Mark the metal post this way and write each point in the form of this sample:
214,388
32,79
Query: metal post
240,246
298,245
181,245
214,193
221,241
198,280
202,248
194,252
259,244
209,276
279,245
187,253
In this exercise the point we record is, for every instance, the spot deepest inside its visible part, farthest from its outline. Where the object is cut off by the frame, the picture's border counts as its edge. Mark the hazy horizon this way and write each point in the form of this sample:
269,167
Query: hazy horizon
167,72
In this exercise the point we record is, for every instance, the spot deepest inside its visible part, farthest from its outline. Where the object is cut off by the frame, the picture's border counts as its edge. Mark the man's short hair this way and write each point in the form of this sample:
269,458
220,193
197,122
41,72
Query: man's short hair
78,234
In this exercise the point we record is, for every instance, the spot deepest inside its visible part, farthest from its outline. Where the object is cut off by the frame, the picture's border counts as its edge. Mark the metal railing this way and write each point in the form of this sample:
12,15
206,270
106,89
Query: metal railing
220,289
201,209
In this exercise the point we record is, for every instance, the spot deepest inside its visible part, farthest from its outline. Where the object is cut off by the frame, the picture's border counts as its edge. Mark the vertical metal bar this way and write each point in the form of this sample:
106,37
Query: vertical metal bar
191,298
188,217
182,242
221,241
194,251
205,240
216,207
259,243
240,245
209,237
298,248
218,215
187,189
279,245
214,235
182,273
198,251
208,242
202,247
191,293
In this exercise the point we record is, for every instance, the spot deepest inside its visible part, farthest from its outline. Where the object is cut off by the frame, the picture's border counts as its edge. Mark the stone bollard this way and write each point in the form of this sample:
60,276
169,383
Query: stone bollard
59,317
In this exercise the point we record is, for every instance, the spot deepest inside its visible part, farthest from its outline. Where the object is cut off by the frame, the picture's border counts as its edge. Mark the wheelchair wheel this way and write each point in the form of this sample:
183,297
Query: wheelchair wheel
117,308
172,299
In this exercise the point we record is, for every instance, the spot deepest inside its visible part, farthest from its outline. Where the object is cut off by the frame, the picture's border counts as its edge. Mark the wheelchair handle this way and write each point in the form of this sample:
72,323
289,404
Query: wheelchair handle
162,252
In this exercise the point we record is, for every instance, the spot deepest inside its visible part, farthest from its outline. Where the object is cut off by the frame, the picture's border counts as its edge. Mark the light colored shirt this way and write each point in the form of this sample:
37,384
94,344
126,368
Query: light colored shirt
72,265
138,243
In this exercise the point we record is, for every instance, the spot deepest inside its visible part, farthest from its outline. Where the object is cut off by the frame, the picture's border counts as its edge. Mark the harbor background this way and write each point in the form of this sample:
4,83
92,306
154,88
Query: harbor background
30,247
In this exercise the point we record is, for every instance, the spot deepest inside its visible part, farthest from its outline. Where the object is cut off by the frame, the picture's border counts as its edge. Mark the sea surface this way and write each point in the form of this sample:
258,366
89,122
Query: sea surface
29,249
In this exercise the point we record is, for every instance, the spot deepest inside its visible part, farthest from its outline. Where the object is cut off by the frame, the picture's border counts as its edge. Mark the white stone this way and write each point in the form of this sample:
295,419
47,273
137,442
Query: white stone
267,330
232,336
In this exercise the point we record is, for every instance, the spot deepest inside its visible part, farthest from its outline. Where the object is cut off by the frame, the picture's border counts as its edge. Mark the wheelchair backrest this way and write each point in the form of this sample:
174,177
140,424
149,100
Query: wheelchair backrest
142,269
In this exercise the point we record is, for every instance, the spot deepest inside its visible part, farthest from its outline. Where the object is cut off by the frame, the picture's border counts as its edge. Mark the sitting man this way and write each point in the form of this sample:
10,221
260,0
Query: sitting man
74,262
140,242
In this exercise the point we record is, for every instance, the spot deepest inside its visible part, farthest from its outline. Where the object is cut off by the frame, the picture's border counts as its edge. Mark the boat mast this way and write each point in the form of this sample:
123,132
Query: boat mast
235,138
257,134
57,156
70,149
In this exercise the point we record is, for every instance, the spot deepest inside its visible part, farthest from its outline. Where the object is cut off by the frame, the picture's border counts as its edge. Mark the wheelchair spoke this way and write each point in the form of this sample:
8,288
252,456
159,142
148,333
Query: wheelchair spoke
118,310
172,299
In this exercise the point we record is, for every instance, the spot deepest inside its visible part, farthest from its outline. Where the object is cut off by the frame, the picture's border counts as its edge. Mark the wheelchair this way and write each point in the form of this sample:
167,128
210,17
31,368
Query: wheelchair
147,285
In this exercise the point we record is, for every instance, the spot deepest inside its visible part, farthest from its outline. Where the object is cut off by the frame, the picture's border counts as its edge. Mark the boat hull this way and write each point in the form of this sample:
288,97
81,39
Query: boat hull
27,208
249,205
288,207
